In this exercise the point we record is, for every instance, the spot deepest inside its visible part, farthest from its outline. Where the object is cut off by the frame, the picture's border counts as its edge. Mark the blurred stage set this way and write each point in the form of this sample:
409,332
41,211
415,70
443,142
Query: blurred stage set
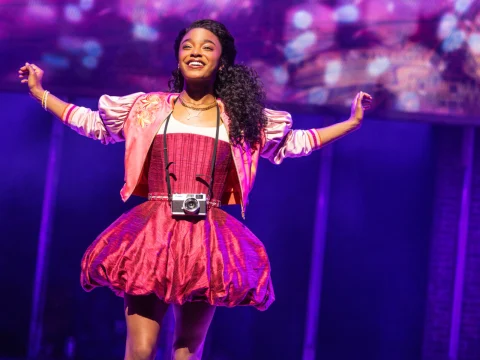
374,241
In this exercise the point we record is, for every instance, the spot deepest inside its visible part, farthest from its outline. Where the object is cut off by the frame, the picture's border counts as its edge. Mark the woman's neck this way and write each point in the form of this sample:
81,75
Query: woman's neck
198,95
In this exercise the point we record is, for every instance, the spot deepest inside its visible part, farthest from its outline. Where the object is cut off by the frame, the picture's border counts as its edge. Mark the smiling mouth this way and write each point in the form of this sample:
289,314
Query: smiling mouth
195,64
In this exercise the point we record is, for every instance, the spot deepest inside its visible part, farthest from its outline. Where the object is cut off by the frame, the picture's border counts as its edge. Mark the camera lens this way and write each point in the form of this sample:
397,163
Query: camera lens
191,205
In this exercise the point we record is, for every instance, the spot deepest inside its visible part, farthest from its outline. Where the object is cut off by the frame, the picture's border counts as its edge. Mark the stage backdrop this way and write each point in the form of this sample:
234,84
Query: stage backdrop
414,56
376,258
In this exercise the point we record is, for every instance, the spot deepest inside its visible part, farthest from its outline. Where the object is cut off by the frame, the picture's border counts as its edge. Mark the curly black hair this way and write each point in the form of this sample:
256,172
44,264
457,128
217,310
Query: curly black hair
238,86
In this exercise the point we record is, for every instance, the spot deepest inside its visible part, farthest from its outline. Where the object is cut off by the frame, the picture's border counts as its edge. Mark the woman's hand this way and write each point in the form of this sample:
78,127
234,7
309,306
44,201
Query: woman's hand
362,102
32,75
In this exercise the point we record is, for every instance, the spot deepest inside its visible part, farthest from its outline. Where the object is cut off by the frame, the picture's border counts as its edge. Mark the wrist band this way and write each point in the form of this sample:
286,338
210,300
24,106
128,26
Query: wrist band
315,139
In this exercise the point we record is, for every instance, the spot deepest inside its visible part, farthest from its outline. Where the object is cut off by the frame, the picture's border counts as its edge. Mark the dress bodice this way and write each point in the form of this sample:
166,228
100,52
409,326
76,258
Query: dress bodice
191,156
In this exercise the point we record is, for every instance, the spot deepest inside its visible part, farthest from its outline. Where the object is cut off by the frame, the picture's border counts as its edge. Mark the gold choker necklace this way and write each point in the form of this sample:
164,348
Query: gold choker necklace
207,107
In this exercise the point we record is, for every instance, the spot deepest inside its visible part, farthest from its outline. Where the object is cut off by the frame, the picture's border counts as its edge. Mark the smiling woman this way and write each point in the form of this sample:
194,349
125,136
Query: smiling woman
189,152
239,86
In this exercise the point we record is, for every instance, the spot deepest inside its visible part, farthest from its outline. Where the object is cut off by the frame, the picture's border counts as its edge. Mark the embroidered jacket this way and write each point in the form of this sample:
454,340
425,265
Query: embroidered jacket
136,119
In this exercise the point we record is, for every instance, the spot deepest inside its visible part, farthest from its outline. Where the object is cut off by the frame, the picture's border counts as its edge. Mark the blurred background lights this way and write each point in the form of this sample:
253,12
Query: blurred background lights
144,32
86,5
378,65
302,19
295,49
93,47
318,95
281,75
347,14
41,12
408,101
462,5
474,43
55,61
454,41
90,62
333,71
73,13
295,59
448,23
71,44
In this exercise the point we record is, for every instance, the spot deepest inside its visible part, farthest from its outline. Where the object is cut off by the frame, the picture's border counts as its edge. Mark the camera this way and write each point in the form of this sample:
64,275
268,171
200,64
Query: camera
189,204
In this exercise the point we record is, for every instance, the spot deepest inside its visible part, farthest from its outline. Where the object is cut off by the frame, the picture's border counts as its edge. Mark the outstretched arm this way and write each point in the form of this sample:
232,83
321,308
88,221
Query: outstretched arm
281,141
32,75
333,132
105,125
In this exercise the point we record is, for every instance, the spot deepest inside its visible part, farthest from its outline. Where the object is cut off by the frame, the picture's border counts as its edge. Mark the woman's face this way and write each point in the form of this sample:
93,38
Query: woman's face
199,55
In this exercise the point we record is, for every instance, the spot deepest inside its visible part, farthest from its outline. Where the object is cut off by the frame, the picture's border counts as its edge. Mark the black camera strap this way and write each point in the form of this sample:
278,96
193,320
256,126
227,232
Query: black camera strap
214,156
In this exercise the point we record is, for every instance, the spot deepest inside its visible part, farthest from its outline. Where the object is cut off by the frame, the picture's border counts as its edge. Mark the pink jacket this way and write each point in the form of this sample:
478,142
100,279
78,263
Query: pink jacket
137,118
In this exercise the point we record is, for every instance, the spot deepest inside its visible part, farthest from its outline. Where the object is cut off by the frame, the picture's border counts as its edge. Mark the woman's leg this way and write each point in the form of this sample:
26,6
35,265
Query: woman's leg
192,321
143,315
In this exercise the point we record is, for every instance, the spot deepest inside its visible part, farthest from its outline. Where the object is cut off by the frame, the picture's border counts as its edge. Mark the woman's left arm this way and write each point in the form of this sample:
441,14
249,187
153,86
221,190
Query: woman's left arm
281,141
333,132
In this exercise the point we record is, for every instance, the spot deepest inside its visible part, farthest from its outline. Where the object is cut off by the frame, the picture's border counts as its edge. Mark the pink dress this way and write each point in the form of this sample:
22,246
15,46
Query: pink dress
215,259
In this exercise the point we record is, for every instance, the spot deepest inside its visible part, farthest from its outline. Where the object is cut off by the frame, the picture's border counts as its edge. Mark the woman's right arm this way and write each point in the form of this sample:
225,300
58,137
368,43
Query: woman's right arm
105,125
32,75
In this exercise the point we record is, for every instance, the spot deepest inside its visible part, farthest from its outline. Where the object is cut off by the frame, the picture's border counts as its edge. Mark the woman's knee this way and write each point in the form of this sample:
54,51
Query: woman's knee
141,349
184,354
188,342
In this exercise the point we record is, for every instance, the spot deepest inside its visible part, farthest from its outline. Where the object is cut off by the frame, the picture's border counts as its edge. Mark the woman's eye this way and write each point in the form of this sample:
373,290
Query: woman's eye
208,48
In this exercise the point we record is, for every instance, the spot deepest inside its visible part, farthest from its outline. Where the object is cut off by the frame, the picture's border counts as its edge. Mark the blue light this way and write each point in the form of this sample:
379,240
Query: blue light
56,61
93,48
347,14
318,96
454,41
302,19
144,32
281,75
378,66
90,62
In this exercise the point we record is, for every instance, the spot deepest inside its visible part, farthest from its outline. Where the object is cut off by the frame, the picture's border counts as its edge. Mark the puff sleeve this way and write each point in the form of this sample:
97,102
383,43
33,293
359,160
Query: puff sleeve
107,123
281,141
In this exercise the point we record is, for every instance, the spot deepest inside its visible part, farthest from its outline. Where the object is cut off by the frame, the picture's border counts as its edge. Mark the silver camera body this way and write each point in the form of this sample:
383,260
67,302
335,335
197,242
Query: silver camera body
189,204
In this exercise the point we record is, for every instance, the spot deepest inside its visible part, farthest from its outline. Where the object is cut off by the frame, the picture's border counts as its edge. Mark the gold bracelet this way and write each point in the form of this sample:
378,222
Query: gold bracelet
44,99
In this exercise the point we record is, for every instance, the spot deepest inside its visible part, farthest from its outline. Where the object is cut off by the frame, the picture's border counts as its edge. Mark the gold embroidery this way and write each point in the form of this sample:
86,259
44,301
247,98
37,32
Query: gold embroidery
146,109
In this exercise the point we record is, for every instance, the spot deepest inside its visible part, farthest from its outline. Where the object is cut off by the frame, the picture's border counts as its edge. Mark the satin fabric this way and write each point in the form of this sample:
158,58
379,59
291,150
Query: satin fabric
214,259
136,119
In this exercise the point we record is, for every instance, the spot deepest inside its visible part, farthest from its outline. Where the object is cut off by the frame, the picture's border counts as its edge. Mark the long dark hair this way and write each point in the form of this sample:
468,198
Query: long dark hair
238,86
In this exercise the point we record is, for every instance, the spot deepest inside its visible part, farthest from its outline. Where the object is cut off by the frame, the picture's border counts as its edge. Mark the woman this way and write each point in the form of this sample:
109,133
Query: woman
203,137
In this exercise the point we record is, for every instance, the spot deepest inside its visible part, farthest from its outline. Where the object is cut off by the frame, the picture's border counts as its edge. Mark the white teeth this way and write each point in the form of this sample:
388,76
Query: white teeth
195,63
